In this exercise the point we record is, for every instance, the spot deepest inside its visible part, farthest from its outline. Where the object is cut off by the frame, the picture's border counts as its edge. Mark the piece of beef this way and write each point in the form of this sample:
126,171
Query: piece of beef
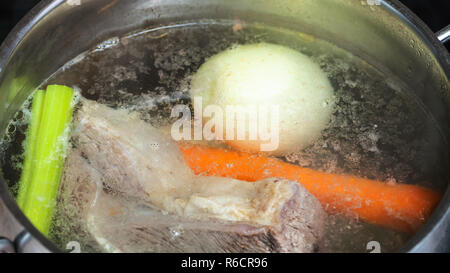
147,199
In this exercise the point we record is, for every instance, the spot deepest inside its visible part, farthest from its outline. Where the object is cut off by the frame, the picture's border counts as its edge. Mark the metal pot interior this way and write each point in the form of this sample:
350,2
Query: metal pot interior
386,36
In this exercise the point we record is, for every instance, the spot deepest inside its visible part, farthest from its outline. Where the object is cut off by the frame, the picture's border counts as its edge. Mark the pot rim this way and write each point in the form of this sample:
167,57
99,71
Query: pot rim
26,24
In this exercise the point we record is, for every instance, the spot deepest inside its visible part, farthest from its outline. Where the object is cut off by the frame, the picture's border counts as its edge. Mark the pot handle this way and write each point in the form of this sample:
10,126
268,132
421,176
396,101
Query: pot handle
444,34
19,244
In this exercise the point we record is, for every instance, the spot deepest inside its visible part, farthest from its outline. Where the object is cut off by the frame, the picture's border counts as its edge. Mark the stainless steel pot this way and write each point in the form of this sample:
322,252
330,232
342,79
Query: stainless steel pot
381,32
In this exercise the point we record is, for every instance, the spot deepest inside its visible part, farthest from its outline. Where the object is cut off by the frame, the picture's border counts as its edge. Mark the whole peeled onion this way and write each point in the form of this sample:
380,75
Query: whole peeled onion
269,75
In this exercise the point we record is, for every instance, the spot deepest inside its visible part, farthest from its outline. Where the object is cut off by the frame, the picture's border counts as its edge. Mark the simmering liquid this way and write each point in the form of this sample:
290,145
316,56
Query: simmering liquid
378,129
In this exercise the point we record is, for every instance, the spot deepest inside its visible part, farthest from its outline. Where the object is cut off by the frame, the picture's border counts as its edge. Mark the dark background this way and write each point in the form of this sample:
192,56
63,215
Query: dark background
433,12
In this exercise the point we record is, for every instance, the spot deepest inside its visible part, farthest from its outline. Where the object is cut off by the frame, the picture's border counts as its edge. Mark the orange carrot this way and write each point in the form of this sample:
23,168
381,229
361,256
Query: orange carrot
400,207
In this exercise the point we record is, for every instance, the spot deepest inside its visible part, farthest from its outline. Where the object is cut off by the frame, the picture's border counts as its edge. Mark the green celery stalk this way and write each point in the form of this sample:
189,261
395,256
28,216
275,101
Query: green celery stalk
30,147
50,152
